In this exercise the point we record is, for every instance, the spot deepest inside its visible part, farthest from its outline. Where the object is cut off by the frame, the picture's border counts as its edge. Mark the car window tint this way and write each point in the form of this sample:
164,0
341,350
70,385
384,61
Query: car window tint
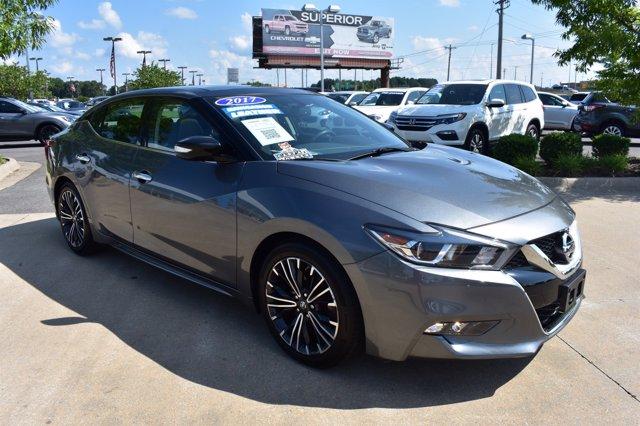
358,98
528,93
172,120
9,108
513,94
414,96
498,93
121,121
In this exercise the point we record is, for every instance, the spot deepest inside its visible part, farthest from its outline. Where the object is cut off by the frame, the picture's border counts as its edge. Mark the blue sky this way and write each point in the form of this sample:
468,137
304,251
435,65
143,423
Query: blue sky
209,36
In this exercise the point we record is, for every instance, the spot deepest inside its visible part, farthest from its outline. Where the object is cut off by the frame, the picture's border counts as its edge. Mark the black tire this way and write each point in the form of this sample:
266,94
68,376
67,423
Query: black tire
267,29
376,38
73,221
613,128
46,131
330,321
287,31
477,141
533,131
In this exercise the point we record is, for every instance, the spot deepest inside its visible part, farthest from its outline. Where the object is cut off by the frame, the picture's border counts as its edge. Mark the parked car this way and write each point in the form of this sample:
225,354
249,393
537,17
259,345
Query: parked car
331,226
93,101
286,24
380,103
71,105
373,32
53,108
558,112
607,117
470,114
42,101
20,121
578,97
347,97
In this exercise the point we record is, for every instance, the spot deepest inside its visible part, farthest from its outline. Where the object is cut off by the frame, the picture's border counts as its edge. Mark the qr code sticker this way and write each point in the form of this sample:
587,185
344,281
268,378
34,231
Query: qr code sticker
270,133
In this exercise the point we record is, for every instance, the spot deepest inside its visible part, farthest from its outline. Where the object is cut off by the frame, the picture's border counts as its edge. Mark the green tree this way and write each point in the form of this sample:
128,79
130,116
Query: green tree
154,76
23,26
14,81
58,87
605,32
90,88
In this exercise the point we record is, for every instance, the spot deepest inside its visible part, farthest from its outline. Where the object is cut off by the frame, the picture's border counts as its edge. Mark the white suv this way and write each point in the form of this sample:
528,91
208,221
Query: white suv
470,114
382,102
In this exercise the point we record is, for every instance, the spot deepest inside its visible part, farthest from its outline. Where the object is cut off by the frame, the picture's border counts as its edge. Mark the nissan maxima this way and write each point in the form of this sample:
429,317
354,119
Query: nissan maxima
322,220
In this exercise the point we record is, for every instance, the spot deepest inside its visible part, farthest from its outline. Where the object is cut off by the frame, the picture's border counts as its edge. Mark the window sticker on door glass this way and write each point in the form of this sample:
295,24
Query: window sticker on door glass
267,130
251,110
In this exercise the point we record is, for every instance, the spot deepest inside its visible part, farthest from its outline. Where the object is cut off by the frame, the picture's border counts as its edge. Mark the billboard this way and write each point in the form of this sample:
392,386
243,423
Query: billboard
294,32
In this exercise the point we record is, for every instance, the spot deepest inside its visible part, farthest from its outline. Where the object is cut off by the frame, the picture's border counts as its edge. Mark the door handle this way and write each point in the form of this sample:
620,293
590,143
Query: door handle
83,158
142,177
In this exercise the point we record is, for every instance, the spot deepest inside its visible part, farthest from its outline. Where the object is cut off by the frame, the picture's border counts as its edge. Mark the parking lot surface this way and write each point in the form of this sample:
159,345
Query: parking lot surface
108,339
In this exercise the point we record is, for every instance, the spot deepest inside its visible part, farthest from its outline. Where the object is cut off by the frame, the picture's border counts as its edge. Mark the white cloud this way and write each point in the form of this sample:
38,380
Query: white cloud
98,52
473,28
130,45
82,55
110,16
63,67
427,43
240,43
450,3
223,59
247,22
59,38
182,12
94,24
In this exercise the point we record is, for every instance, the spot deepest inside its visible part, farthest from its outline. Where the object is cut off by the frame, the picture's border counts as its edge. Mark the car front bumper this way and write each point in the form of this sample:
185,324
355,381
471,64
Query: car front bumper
455,134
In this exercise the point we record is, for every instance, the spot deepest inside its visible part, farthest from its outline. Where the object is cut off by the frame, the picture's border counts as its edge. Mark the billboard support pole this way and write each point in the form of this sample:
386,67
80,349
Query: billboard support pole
321,54
384,77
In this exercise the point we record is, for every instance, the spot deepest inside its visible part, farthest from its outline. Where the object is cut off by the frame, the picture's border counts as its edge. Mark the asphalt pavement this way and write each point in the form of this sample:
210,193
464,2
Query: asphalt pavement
107,339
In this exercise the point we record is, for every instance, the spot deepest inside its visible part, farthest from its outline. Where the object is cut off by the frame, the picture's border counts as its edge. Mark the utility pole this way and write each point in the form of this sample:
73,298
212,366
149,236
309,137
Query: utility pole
504,71
491,65
193,77
182,73
200,79
449,48
502,5
100,70
144,56
164,62
302,76
515,72
277,77
126,81
541,75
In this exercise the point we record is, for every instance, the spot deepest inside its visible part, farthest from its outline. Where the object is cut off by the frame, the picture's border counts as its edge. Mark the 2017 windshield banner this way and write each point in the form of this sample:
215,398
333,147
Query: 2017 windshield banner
295,32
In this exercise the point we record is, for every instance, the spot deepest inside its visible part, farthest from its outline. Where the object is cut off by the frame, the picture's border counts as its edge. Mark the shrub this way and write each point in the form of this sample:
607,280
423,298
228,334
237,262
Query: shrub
512,148
527,165
611,164
607,145
569,164
554,145
2,160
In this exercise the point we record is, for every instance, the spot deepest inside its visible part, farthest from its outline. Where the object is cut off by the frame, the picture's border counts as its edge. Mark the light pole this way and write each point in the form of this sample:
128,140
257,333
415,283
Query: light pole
310,7
164,62
193,77
37,60
100,70
112,63
126,81
182,73
533,46
200,79
144,56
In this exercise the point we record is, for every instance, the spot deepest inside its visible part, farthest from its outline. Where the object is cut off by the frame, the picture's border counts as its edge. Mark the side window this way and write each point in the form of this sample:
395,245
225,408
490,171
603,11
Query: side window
9,108
513,94
414,96
358,98
528,93
546,99
498,93
121,121
172,120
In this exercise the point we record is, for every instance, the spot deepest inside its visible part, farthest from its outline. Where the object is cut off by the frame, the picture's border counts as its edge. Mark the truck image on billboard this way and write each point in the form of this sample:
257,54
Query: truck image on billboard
295,32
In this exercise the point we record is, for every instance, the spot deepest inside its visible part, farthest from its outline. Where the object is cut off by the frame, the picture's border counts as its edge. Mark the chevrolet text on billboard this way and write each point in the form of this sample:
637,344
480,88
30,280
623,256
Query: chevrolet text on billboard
294,32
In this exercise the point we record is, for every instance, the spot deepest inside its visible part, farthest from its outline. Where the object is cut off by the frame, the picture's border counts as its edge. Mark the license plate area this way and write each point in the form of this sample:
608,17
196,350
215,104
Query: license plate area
570,292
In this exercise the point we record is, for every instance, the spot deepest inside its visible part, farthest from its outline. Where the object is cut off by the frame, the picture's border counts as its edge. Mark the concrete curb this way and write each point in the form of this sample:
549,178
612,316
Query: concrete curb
609,184
9,167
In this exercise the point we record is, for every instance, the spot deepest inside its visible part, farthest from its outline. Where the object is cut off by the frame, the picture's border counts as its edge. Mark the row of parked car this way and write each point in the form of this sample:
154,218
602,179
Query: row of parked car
472,114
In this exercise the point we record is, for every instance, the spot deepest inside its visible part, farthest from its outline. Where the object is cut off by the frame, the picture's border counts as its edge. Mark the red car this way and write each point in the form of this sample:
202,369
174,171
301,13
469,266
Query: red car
287,24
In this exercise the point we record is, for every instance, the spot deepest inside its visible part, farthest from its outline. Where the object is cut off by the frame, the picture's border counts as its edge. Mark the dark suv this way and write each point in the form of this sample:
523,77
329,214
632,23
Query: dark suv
373,32
599,115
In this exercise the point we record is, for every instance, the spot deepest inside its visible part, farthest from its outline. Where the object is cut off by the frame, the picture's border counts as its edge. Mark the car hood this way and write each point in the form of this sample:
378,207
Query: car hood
52,114
384,111
438,185
430,110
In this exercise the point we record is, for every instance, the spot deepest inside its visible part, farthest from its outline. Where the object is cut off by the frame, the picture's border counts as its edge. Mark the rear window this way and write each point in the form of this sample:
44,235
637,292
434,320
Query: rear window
529,94
578,96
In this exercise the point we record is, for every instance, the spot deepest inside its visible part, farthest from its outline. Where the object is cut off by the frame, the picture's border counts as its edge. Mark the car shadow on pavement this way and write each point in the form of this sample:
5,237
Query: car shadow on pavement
218,342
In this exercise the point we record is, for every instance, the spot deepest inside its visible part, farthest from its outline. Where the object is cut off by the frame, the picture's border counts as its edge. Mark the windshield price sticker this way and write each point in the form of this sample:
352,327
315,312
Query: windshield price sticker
291,153
267,130
240,100
251,110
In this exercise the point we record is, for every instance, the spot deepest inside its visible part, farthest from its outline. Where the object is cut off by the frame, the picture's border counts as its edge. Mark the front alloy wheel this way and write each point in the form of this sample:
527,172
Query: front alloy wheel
612,129
476,141
73,221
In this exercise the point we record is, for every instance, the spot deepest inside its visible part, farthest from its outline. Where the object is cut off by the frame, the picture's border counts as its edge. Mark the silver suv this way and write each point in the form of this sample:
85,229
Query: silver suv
20,121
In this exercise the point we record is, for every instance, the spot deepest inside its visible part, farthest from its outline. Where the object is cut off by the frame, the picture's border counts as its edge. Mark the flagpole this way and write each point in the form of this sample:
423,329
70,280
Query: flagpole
112,62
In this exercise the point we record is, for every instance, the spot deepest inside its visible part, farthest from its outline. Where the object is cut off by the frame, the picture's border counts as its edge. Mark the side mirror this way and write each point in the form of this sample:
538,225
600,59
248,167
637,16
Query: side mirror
353,103
202,148
410,102
495,103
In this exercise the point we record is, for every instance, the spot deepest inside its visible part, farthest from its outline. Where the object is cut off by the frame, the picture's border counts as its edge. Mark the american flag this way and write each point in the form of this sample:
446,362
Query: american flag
112,62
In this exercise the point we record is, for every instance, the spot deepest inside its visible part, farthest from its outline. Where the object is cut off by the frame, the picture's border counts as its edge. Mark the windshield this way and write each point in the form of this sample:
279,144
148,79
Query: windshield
286,127
290,18
25,106
383,98
340,97
454,94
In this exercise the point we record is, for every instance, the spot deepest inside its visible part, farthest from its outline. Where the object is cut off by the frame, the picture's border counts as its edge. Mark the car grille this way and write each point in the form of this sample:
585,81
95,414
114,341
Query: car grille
549,244
363,31
416,124
549,315
517,261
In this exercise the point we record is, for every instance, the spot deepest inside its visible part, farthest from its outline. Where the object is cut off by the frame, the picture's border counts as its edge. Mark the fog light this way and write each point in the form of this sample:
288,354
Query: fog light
460,328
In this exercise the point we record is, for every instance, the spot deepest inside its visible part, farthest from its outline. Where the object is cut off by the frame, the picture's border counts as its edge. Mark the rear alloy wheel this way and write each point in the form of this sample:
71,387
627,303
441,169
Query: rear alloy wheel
46,131
476,141
613,129
532,130
309,307
73,221
376,38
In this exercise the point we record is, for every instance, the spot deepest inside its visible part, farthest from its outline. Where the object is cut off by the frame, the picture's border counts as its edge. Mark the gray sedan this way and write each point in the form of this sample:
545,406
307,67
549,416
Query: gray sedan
341,235
20,121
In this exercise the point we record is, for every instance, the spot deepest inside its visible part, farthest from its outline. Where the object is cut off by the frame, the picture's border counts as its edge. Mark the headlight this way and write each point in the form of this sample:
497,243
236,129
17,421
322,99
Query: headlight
450,118
446,248
392,117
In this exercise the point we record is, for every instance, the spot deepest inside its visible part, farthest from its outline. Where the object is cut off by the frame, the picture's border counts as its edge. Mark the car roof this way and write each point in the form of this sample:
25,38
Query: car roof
399,89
